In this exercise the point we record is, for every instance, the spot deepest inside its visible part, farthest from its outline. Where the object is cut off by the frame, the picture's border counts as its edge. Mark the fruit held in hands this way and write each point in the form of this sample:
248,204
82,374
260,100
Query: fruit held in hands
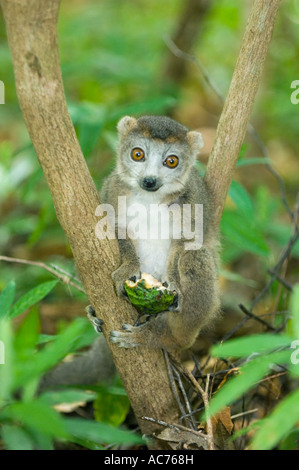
148,295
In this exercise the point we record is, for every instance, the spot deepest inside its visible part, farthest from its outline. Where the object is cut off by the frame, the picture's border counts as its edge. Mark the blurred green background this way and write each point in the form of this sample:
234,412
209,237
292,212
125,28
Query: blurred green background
115,61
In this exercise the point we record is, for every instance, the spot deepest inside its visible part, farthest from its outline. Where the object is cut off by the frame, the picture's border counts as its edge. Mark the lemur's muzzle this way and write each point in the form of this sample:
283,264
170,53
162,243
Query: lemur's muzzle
149,183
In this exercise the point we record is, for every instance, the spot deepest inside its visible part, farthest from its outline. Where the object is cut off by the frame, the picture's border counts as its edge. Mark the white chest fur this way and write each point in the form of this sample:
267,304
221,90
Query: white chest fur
148,227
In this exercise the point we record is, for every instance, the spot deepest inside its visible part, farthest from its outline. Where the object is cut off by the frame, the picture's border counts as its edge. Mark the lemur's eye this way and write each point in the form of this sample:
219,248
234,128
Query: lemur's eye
137,154
172,161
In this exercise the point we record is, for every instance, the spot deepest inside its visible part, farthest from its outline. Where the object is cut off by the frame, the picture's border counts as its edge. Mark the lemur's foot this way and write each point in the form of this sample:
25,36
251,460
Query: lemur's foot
128,337
94,320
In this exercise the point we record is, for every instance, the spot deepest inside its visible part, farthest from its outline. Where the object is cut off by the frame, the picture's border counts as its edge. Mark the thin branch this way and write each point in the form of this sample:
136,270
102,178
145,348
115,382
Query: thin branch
172,384
63,278
162,423
177,427
255,317
204,395
187,403
270,168
188,28
244,413
195,60
58,268
285,254
285,283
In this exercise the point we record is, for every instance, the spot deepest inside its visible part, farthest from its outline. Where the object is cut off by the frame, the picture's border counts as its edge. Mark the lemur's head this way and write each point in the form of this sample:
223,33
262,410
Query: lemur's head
156,153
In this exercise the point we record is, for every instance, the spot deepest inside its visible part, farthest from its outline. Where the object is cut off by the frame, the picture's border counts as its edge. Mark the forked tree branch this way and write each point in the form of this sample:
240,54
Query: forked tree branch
32,35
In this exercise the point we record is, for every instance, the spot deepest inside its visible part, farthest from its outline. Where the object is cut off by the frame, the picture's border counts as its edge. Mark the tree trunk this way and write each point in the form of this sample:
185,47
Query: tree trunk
238,105
31,29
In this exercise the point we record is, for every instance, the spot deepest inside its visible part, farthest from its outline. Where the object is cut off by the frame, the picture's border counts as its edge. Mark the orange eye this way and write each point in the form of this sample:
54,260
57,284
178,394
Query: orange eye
172,161
137,154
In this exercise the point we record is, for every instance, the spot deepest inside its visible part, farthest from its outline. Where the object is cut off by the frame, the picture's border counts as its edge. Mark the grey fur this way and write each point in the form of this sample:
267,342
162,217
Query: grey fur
193,274
161,127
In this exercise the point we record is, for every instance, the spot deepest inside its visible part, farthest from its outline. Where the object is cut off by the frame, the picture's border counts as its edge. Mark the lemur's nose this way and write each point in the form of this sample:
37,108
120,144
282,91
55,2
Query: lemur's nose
149,182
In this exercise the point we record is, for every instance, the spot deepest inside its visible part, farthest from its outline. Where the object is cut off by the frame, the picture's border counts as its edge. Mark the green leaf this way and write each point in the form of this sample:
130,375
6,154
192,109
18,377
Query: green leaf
244,347
241,231
42,441
27,335
66,396
280,422
100,432
111,408
38,416
16,438
45,338
6,298
235,277
241,198
249,375
64,343
32,297
291,441
294,307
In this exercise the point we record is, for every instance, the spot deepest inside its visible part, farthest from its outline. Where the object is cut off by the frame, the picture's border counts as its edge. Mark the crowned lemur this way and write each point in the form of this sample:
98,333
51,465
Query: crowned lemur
156,165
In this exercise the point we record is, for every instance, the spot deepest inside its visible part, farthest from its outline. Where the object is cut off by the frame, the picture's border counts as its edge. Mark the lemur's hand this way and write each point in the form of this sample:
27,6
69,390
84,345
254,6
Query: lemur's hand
138,335
176,306
127,337
124,272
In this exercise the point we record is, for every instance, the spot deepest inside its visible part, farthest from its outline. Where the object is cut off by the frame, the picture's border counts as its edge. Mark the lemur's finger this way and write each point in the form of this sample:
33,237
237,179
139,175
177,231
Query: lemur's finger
94,320
124,339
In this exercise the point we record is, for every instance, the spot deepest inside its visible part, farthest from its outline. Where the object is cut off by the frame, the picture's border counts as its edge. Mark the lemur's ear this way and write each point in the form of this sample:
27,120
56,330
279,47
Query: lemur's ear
126,124
195,140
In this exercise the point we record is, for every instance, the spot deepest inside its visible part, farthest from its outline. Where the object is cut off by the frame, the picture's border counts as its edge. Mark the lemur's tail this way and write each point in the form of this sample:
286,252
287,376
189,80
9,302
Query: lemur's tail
94,366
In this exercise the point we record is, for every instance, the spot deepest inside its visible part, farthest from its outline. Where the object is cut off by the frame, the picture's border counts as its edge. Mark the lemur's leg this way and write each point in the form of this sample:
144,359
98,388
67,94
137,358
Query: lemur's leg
198,305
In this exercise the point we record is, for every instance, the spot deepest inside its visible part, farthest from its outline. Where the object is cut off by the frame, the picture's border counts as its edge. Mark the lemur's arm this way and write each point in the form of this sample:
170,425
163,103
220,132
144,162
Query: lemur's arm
198,305
129,269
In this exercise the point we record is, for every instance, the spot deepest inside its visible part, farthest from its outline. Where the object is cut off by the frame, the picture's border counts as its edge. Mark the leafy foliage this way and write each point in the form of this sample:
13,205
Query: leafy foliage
30,421
261,353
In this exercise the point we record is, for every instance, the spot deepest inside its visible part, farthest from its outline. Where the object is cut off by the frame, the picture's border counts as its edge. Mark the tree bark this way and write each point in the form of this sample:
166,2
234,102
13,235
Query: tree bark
32,36
238,105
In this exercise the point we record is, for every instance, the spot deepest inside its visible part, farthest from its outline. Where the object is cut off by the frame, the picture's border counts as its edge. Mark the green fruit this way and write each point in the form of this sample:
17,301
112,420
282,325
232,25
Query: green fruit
148,295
